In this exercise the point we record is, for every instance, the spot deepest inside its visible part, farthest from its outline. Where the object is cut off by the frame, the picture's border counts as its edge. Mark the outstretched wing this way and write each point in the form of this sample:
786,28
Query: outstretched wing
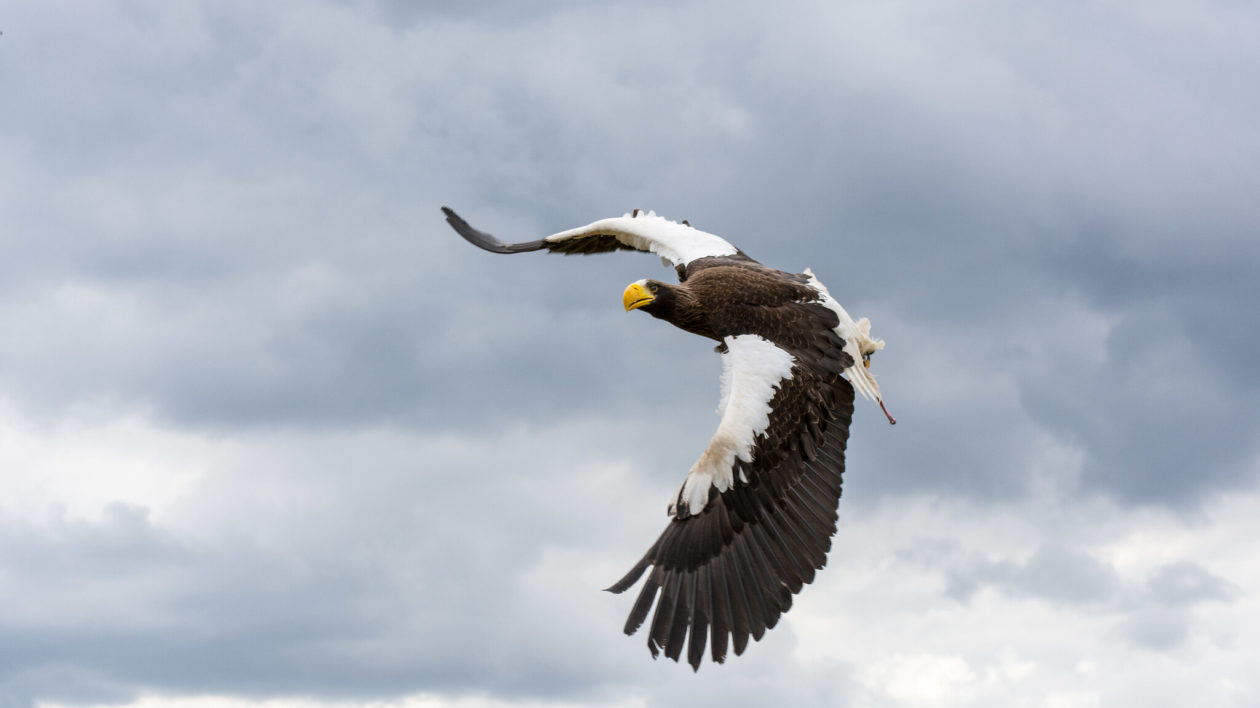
755,517
680,244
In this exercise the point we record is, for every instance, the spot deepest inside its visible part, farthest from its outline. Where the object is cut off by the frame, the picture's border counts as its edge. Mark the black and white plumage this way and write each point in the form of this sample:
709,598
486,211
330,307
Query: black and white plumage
754,517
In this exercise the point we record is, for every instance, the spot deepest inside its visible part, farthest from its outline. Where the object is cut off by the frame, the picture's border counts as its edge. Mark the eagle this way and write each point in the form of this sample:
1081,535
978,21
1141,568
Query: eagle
753,519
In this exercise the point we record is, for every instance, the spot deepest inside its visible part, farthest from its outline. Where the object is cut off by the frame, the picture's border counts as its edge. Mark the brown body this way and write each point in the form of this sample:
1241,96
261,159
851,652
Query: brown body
727,566
733,298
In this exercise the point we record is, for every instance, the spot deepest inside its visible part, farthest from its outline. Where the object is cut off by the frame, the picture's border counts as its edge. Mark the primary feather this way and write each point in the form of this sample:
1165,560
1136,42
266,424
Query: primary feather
753,519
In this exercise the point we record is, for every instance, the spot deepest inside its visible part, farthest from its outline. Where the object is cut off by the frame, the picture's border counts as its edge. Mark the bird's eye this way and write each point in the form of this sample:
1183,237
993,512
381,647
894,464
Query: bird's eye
652,287
866,360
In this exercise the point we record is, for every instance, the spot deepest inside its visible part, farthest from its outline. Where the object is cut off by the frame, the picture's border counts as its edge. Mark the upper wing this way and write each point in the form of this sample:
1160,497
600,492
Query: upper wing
680,244
755,517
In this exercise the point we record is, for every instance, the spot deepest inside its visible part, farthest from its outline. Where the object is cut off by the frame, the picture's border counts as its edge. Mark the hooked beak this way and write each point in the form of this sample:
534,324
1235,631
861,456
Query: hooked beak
636,296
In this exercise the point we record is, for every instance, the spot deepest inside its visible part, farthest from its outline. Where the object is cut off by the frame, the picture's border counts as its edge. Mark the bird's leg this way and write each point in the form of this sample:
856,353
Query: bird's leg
891,420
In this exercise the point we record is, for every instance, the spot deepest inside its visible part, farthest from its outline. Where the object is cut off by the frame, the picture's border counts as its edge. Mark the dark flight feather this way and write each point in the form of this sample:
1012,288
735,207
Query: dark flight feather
726,571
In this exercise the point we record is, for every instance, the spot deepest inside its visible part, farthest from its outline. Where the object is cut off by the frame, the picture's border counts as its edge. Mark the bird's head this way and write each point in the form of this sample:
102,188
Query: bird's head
675,304
649,295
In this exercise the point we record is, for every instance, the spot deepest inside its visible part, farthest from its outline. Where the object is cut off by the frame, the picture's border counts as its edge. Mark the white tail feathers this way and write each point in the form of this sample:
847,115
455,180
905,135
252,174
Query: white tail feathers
858,342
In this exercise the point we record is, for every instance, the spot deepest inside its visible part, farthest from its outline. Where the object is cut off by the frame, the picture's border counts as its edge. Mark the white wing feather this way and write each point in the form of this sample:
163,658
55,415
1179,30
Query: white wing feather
752,370
678,243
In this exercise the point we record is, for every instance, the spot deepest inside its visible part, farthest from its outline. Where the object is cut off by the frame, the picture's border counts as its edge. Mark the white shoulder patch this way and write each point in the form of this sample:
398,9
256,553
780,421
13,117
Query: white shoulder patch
752,370
678,243
857,341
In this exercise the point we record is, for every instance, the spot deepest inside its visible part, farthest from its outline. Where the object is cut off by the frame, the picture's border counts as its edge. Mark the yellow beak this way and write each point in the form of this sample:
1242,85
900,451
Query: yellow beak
636,296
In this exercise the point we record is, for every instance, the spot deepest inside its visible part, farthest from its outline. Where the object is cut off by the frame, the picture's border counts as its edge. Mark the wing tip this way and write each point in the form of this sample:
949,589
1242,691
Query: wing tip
483,240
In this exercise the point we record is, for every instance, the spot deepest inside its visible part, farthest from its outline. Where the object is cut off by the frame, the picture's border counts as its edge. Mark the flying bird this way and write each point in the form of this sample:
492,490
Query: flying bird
754,517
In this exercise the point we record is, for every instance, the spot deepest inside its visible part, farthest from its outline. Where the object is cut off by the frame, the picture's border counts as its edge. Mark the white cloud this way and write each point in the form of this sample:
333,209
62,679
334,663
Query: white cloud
284,545
79,465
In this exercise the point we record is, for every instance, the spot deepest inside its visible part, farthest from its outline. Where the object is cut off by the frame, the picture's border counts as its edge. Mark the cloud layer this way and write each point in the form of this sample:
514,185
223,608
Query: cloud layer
269,431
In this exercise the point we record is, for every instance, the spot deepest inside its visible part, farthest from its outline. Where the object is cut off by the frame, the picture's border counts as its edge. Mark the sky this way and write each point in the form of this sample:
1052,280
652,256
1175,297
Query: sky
273,436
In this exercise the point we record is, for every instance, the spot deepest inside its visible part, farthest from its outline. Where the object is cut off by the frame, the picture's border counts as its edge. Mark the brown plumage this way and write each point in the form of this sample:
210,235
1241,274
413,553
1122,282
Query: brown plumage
753,521
727,297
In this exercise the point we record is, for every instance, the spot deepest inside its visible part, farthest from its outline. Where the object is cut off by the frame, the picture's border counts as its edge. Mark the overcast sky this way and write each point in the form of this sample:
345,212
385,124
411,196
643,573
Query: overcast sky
273,436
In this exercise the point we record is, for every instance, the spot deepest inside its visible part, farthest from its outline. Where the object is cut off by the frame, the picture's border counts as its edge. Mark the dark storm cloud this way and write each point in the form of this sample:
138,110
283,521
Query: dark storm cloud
260,295
952,226
955,187
1163,416
914,198
226,217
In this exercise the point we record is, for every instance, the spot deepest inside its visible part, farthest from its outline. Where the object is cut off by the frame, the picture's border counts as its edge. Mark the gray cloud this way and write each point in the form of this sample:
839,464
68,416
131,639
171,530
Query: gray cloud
1164,619
1156,613
1158,629
312,585
418,576
1188,583
247,320
1052,573
224,218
